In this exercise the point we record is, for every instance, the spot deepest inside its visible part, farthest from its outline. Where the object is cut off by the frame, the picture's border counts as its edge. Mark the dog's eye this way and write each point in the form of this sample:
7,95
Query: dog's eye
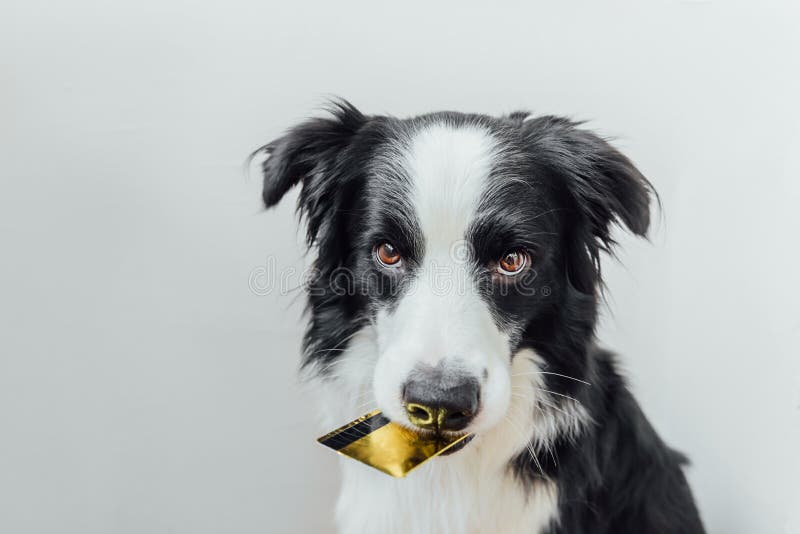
387,255
513,262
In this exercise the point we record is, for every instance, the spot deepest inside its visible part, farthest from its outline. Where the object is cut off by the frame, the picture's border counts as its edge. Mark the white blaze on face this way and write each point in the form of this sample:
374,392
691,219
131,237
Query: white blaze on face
441,317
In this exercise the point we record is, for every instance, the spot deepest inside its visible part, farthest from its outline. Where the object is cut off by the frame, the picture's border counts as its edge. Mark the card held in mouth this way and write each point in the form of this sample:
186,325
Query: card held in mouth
386,446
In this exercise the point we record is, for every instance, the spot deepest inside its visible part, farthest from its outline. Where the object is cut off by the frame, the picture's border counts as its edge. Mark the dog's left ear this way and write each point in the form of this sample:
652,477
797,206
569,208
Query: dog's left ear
602,187
605,186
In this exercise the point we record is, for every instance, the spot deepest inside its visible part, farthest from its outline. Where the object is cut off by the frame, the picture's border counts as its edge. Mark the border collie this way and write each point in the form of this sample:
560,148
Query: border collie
456,270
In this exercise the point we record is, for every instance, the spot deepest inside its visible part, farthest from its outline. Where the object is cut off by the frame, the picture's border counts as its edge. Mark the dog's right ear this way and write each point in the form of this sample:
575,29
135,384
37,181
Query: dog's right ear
308,152
312,153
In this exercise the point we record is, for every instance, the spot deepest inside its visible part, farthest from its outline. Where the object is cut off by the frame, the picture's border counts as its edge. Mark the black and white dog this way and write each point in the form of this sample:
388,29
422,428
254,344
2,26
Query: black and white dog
456,286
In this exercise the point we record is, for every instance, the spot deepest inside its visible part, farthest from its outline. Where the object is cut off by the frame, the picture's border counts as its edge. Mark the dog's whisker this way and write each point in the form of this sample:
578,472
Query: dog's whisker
558,394
554,374
552,406
335,348
326,351
367,403
364,393
546,442
527,443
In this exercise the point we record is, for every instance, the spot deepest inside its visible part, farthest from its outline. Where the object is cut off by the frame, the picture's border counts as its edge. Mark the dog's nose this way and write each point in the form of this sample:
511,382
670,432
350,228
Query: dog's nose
435,403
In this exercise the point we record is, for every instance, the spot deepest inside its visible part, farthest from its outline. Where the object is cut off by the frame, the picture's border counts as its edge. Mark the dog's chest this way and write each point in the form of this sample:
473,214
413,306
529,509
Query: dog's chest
448,495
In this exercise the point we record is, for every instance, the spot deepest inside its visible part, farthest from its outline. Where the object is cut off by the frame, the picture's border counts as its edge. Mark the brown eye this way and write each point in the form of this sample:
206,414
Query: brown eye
513,262
387,255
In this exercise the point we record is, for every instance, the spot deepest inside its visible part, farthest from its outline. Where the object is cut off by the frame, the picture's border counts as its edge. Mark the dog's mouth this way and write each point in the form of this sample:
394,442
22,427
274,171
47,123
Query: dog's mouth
446,442
457,446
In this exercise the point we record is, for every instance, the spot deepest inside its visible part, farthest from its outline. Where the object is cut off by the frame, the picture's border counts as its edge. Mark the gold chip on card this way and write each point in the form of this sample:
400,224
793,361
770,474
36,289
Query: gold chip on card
394,449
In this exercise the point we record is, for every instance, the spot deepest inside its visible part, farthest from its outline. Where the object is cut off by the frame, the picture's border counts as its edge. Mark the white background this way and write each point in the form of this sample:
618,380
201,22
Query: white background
144,388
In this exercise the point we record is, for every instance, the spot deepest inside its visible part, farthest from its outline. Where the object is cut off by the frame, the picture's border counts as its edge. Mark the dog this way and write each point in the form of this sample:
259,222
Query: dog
455,286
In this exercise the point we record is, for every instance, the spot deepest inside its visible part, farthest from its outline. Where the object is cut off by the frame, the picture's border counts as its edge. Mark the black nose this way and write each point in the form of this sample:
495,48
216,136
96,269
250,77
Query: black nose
441,401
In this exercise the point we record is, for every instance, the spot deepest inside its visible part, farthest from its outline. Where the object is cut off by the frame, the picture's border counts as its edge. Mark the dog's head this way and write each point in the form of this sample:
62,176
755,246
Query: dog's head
458,241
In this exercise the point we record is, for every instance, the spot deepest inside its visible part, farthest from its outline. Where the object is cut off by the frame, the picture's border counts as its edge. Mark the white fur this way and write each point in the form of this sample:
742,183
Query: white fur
442,316
473,490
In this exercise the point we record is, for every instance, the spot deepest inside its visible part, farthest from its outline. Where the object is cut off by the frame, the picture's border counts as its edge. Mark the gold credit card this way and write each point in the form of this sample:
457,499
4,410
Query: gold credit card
386,446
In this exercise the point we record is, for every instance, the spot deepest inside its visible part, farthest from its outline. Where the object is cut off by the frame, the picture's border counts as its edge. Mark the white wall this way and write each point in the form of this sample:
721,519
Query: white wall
145,388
